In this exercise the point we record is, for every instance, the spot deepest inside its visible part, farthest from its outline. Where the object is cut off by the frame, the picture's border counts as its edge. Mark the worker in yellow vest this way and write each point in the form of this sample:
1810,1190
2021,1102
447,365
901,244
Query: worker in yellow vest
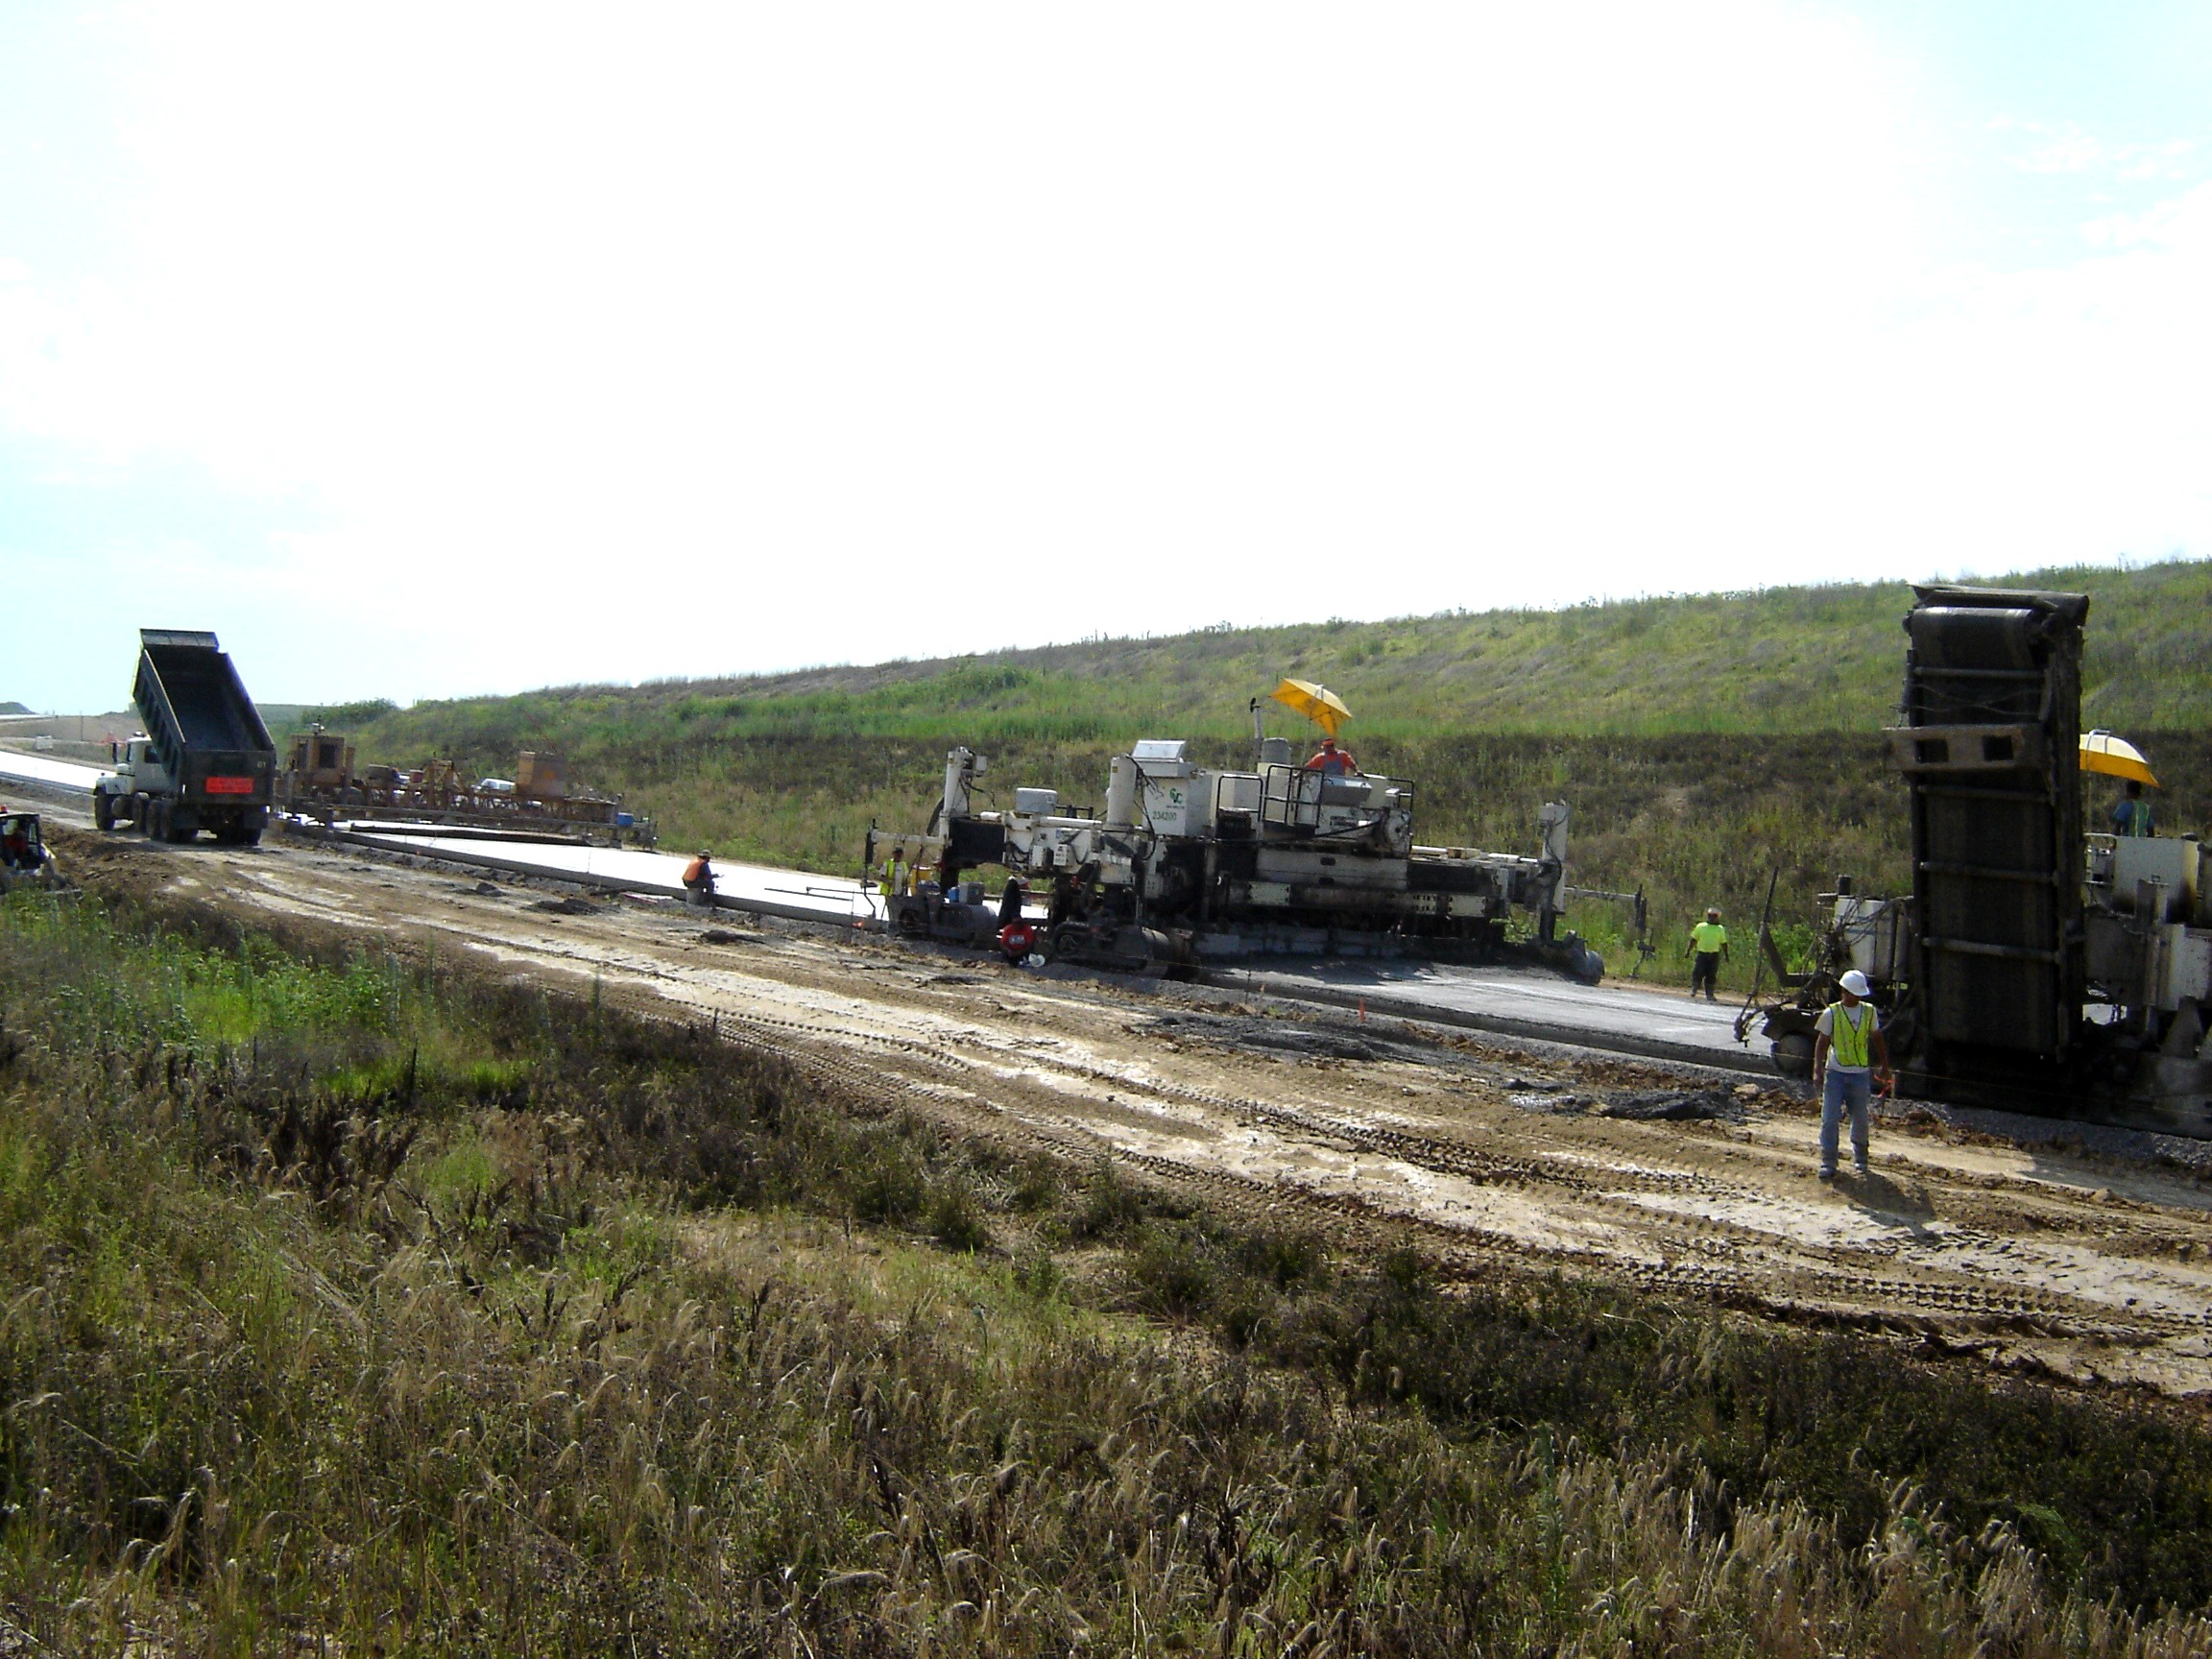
1849,1053
1708,944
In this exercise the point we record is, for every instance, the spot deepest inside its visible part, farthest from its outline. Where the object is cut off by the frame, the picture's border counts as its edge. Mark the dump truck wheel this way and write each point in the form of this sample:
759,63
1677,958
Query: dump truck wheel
103,811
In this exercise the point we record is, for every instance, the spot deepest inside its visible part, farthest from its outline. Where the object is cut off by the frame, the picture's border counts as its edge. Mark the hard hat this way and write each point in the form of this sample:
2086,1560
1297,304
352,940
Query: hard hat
1855,982
1713,913
705,851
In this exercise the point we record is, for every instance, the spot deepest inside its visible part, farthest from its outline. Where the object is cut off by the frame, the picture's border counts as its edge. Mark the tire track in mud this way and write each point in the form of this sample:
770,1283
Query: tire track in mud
1062,1070
1688,1247
968,1082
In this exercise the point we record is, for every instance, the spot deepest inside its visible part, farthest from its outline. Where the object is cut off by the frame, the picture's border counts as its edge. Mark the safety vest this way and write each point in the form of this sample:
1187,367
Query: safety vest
1709,937
1848,1038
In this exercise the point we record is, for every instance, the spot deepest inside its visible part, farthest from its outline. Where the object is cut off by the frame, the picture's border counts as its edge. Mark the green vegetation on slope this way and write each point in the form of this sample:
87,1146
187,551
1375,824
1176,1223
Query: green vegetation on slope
348,1300
1785,659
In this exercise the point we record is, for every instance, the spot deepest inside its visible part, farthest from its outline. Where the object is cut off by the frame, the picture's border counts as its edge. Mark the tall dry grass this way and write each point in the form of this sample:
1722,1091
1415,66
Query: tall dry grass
395,1311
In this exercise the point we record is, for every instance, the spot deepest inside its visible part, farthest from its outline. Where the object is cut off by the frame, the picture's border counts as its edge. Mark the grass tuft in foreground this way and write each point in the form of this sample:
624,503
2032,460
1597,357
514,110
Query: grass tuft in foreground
341,1302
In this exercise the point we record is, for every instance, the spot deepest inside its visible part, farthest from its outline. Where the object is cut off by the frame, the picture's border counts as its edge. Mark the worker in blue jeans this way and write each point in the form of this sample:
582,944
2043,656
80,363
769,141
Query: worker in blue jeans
1849,1055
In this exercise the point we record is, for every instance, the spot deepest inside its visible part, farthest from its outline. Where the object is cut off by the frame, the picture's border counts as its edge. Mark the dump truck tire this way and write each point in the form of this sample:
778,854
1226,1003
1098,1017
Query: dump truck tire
103,811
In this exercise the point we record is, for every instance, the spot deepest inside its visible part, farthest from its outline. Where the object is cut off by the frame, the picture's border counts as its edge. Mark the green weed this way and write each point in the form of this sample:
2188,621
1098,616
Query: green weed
294,1357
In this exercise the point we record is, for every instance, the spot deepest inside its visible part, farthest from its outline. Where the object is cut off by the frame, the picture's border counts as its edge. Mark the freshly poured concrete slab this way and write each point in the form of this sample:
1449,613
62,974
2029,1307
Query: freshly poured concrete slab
1521,1001
46,771
756,888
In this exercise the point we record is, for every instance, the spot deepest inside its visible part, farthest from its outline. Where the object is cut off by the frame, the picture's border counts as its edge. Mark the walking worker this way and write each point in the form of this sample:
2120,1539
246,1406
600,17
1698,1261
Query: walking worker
1708,944
1849,1053
699,879
2132,813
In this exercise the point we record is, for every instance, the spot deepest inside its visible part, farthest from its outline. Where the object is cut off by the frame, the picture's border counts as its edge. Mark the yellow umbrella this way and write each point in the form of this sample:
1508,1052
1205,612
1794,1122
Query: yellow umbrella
2115,758
1317,702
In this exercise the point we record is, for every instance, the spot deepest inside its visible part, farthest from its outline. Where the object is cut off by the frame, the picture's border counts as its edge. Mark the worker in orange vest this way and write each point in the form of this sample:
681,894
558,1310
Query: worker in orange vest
699,879
1335,761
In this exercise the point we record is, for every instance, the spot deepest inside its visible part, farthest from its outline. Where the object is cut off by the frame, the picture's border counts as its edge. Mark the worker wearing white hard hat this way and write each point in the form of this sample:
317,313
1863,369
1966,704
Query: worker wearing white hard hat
1849,1056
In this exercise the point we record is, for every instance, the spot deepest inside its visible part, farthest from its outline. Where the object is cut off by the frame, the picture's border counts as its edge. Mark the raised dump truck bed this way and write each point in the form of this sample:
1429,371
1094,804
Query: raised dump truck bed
206,762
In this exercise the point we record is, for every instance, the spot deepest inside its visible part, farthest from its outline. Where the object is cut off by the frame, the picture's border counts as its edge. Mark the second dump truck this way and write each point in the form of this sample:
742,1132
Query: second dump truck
205,762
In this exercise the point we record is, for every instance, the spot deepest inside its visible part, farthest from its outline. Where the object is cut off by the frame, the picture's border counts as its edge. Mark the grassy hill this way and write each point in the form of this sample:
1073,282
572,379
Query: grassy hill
1782,659
1703,741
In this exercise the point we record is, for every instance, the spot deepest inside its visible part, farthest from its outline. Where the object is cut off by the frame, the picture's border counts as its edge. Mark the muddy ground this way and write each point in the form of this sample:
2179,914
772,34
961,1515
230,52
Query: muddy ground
2045,1258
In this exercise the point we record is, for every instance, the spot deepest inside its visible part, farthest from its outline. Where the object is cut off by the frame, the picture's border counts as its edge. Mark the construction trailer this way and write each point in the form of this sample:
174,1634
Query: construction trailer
2035,960
1191,864
204,761
321,781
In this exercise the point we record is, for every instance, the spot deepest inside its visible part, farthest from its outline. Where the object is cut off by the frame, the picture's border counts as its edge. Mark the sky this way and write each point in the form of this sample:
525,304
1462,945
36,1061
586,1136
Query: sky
424,350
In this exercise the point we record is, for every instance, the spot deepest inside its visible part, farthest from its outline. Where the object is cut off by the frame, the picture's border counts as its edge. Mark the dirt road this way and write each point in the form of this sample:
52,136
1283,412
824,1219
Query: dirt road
2046,1260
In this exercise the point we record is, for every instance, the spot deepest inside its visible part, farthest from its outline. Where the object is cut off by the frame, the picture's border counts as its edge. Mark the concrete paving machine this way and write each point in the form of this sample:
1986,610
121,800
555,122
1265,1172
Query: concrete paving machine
1850,930
2034,960
1191,864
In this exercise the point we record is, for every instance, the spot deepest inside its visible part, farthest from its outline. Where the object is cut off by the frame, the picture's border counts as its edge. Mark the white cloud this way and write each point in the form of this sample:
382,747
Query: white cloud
2181,224
2069,148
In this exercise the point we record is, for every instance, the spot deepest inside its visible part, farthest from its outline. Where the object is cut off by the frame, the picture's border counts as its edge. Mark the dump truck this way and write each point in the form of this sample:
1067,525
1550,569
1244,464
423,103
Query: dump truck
205,762
2034,959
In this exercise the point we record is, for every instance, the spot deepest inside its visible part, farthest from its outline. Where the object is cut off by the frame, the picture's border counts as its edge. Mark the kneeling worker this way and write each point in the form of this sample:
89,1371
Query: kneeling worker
699,879
1848,1052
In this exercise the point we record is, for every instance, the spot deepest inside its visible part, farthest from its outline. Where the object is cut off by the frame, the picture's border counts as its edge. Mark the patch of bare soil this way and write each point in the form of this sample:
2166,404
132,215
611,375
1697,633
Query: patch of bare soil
2033,1258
